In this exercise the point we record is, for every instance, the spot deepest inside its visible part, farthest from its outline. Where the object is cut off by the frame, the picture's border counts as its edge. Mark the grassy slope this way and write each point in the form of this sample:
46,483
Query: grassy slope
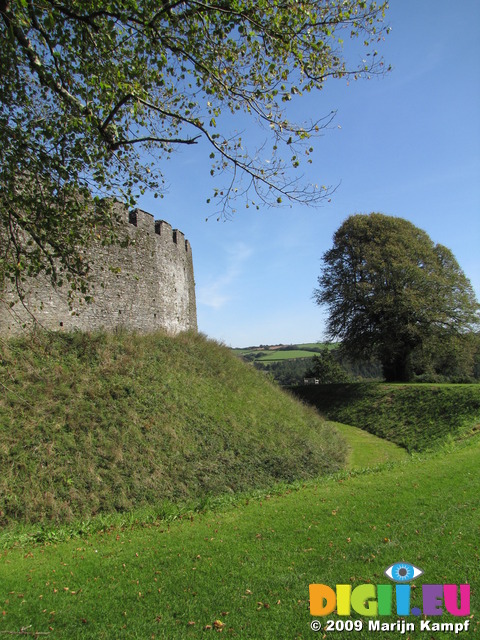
366,450
416,417
92,424
249,567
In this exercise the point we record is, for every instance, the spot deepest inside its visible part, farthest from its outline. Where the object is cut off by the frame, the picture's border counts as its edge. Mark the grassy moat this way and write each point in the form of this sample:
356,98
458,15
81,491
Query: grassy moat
157,487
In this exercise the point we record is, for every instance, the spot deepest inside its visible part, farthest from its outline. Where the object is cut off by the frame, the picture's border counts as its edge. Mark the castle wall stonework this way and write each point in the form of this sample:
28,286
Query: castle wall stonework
145,286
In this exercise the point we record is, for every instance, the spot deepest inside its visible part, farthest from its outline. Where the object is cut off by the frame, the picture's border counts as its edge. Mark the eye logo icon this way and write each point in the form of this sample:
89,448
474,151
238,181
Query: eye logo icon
402,572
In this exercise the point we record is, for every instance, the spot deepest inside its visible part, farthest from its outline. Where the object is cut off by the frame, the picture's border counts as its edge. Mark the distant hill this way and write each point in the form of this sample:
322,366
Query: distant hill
280,352
288,364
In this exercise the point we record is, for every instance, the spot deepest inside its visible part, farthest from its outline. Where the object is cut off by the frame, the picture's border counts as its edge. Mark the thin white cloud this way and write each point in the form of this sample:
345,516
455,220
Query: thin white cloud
218,290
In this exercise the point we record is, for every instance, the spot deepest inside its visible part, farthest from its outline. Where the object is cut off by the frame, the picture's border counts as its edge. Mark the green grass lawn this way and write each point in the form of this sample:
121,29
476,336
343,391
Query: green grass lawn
366,450
246,568
237,559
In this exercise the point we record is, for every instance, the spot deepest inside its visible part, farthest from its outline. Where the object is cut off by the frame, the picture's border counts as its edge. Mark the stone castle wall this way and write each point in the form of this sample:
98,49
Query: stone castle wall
146,286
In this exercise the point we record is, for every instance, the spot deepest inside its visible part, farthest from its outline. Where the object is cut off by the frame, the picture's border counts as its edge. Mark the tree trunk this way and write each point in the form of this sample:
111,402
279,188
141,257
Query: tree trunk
397,368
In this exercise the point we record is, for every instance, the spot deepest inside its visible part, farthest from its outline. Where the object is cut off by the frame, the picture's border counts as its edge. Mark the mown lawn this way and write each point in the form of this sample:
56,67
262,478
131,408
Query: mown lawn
245,569
366,450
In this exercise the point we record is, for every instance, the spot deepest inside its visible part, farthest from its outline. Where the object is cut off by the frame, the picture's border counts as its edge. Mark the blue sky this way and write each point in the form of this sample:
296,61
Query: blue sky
407,145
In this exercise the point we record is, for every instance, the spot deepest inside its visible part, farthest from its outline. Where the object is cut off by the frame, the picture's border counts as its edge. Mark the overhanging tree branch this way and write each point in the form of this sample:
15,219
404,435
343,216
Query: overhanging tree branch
88,88
124,143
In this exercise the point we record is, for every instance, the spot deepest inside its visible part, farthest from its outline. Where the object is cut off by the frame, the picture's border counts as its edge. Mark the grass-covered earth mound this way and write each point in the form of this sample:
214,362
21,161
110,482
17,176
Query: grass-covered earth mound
414,416
100,423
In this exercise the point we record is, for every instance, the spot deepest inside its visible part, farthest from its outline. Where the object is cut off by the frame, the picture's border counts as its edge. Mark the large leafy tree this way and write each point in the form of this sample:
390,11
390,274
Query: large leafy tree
95,95
392,293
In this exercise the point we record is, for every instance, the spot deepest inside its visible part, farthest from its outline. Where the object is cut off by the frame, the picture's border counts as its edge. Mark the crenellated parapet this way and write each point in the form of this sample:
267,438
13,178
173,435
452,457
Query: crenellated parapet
145,221
144,284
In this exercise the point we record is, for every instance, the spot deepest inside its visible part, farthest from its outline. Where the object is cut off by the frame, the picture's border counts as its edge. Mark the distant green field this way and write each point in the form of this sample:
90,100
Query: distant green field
286,352
274,356
308,346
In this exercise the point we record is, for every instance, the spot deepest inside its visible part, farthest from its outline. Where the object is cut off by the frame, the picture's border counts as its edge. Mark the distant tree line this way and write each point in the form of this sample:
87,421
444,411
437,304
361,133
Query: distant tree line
285,372
447,363
328,366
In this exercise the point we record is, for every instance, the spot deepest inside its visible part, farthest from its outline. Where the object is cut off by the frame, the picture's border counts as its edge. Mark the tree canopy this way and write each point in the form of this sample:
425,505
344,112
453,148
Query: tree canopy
96,94
326,368
392,293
